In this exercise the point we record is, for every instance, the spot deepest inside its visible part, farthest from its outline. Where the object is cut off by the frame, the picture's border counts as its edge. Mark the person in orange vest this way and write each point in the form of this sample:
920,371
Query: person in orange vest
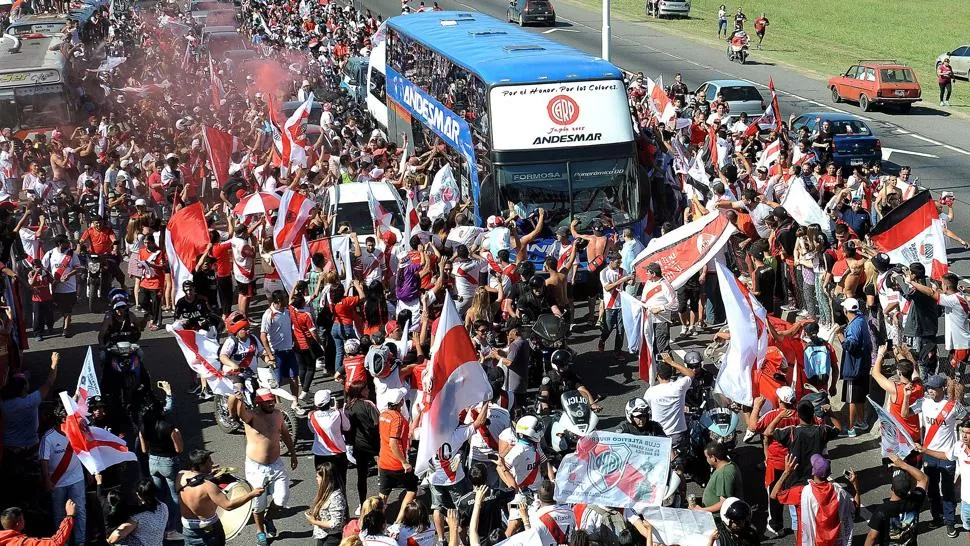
12,520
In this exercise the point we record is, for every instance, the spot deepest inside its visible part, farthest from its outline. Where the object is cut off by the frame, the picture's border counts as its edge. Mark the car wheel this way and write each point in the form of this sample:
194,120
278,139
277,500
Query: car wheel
864,103
904,107
835,95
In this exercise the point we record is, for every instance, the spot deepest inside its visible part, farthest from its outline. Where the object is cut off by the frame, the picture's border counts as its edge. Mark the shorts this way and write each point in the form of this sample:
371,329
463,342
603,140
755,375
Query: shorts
65,302
271,285
389,480
856,390
689,297
271,476
287,365
246,289
446,496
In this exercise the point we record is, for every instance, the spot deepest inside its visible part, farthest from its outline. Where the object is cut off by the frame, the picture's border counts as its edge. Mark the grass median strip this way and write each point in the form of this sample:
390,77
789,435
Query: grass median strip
827,36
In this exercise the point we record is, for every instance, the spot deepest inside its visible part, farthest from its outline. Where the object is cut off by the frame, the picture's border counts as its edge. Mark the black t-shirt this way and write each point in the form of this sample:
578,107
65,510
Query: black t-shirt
746,537
803,441
159,439
653,428
765,277
896,521
364,435
563,381
205,284
923,317
786,237
191,311
490,515
531,306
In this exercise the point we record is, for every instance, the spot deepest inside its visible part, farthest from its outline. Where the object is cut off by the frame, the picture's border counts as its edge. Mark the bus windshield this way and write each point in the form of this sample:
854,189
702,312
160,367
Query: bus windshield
35,107
357,214
573,188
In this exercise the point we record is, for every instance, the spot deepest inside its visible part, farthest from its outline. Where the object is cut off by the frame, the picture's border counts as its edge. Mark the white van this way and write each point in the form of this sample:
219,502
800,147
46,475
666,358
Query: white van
348,203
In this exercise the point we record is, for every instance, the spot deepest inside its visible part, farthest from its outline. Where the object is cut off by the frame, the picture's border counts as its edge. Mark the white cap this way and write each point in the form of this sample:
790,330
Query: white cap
171,156
396,396
376,173
321,397
141,202
124,163
850,304
235,168
786,394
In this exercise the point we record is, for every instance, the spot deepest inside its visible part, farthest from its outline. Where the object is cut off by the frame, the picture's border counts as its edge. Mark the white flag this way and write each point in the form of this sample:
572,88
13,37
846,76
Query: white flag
444,193
748,323
631,310
87,383
803,208
95,447
894,438
202,355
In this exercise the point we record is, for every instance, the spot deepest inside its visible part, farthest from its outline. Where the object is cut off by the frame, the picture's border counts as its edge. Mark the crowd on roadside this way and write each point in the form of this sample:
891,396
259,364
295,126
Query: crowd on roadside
353,347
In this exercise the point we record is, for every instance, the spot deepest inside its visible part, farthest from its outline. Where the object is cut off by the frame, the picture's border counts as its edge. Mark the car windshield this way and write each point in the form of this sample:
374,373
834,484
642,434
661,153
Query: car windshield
357,214
850,126
740,93
896,75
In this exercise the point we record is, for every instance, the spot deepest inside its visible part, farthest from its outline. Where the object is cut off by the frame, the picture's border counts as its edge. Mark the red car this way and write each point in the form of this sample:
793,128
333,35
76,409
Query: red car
877,82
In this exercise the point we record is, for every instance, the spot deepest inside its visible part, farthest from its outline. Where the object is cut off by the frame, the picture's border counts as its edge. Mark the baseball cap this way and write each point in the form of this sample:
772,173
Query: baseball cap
850,304
391,326
786,394
264,395
141,202
396,396
881,261
821,467
322,397
936,382
494,220
901,483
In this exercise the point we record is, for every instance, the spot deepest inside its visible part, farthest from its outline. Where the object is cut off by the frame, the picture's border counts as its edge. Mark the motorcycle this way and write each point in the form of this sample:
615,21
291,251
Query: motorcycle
125,380
97,279
738,47
251,381
548,334
563,428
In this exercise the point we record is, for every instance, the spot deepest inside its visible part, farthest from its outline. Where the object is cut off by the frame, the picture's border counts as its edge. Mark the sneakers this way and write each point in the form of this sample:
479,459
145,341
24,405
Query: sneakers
851,433
861,426
951,531
300,412
774,528
942,103
270,528
261,539
174,536
205,394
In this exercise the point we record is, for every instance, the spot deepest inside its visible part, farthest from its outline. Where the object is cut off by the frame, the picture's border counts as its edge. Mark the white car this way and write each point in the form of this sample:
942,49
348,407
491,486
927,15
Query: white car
959,61
669,7
347,203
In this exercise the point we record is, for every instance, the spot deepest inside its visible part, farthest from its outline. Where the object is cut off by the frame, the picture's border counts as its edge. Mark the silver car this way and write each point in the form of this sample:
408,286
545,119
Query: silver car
740,95
959,61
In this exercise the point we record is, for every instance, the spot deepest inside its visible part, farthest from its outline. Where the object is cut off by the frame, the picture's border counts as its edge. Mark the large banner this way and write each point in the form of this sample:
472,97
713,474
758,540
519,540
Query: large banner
913,232
616,470
679,526
685,250
894,438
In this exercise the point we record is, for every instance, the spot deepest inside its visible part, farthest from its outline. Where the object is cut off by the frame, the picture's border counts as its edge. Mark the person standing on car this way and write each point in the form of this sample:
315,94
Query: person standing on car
944,76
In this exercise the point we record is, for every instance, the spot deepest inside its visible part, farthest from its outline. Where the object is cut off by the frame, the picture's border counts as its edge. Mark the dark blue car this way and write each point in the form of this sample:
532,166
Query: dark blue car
854,142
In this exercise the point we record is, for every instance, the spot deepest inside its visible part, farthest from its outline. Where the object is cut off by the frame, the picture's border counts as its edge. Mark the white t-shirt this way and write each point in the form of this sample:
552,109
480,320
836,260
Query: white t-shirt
54,260
384,387
468,276
464,235
667,404
498,420
450,470
52,447
498,238
956,330
242,266
333,423
929,415
611,298
31,242
244,353
961,455
521,459
373,263
561,516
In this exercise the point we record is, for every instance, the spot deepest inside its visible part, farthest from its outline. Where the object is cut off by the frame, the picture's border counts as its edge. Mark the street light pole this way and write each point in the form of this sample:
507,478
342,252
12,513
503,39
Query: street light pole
606,30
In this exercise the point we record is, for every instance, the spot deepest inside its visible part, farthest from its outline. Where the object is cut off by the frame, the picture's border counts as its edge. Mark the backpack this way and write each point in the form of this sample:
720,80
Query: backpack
613,529
818,361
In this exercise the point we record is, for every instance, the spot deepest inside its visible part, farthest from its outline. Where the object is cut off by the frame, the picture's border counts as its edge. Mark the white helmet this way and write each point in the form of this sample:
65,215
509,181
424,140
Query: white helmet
637,406
529,427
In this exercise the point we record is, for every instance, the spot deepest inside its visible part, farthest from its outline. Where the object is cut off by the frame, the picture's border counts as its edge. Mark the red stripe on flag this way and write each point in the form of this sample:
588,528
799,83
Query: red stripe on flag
905,222
456,349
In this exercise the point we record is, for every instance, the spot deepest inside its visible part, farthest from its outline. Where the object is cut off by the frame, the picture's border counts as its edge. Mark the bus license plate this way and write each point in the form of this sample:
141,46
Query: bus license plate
42,28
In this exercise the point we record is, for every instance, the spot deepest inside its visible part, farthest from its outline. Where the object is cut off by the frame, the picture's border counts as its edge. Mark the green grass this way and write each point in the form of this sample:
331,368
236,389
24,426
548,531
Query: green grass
826,36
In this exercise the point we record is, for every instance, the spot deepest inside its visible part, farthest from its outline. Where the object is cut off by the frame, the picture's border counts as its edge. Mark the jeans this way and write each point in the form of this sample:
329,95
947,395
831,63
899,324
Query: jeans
940,489
76,493
965,514
210,536
340,333
613,322
824,305
163,471
714,305
43,316
945,90
722,27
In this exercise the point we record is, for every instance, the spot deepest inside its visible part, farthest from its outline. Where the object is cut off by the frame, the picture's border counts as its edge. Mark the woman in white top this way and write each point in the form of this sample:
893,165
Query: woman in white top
806,262
329,511
146,527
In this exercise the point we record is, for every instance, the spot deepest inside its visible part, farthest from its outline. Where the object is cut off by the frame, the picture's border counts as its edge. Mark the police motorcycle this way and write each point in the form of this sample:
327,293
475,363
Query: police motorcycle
123,376
710,417
638,423
247,381
564,427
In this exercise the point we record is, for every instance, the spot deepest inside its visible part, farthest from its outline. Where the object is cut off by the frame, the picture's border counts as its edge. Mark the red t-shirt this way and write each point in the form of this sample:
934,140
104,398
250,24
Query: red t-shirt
302,326
156,179
759,24
354,370
345,311
392,425
222,253
102,241
155,281
40,287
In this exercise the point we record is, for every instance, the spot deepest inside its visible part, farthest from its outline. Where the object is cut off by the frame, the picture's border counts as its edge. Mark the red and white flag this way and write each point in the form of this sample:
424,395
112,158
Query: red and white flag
294,135
292,264
87,383
774,105
186,238
292,217
660,104
219,146
216,89
454,381
411,219
686,249
827,512
913,232
748,322
95,447
202,355
770,154
380,216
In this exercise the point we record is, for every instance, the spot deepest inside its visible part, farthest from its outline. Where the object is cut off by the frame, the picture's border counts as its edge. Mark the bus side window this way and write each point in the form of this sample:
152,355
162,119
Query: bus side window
378,86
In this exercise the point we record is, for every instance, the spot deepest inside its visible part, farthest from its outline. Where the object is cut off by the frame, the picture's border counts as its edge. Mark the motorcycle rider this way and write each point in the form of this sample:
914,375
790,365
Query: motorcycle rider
666,399
638,420
118,324
562,378
240,349
734,527
192,309
535,301
519,465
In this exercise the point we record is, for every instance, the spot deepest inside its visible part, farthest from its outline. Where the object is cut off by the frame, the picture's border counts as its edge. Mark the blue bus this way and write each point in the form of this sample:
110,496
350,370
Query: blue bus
520,118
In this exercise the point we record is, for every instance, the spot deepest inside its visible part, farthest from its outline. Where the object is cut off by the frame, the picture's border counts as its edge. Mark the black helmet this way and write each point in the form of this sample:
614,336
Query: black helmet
537,282
560,359
527,269
693,359
735,510
188,283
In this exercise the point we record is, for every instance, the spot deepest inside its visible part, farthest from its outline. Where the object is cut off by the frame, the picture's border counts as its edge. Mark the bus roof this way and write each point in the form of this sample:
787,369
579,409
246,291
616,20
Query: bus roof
34,53
498,52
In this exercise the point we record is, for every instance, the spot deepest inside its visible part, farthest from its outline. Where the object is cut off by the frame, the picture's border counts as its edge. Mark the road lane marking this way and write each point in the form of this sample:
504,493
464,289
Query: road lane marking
924,139
955,149
886,152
